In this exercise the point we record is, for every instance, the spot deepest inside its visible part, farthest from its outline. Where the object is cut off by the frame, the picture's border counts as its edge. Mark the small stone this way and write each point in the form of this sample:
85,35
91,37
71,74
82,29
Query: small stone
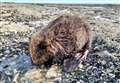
57,80
111,75
3,58
0,43
16,78
2,76
107,53
12,63
97,48
118,81
35,74
103,62
7,51
15,71
104,82
108,70
15,56
1,68
78,82
80,66
53,72
10,73
1,55
12,49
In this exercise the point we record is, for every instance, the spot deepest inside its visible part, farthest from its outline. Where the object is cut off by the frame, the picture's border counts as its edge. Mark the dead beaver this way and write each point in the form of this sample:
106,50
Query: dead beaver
67,40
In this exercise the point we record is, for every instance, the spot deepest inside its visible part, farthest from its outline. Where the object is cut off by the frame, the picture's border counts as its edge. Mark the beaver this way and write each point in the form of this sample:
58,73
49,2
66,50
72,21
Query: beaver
65,40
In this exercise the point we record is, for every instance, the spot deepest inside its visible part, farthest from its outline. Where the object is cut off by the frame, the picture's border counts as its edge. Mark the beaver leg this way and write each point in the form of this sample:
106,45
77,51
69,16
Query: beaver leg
84,55
71,63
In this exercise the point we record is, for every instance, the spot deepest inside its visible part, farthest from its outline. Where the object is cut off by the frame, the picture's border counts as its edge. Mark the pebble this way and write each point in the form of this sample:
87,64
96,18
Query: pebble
7,52
80,66
103,62
16,78
0,43
8,72
13,49
118,81
2,76
112,75
53,72
108,70
96,69
35,74
107,53
1,55
80,81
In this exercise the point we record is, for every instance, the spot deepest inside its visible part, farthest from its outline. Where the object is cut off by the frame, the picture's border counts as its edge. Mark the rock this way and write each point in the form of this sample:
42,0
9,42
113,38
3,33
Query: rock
15,56
16,78
36,75
15,27
103,62
108,70
2,76
1,55
19,21
105,54
9,72
7,51
53,72
57,80
0,43
80,66
97,48
118,81
80,81
35,24
111,75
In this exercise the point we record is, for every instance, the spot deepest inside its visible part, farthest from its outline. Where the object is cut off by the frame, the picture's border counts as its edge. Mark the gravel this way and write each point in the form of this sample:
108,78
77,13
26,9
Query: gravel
19,21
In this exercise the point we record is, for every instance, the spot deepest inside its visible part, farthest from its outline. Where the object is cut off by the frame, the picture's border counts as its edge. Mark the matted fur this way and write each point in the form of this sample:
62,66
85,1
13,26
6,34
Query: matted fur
62,38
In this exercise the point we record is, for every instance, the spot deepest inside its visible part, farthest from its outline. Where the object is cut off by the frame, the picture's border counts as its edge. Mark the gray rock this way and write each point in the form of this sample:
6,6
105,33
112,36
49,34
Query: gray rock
7,51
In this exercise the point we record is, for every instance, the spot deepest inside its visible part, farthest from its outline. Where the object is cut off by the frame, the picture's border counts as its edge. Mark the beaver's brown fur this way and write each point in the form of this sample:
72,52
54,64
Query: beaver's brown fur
65,39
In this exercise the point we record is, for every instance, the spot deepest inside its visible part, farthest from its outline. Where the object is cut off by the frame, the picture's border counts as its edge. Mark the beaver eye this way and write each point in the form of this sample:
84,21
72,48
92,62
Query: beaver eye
42,46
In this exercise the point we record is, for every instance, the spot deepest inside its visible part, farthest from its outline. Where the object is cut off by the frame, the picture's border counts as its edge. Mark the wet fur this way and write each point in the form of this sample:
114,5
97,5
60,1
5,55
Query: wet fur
61,39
